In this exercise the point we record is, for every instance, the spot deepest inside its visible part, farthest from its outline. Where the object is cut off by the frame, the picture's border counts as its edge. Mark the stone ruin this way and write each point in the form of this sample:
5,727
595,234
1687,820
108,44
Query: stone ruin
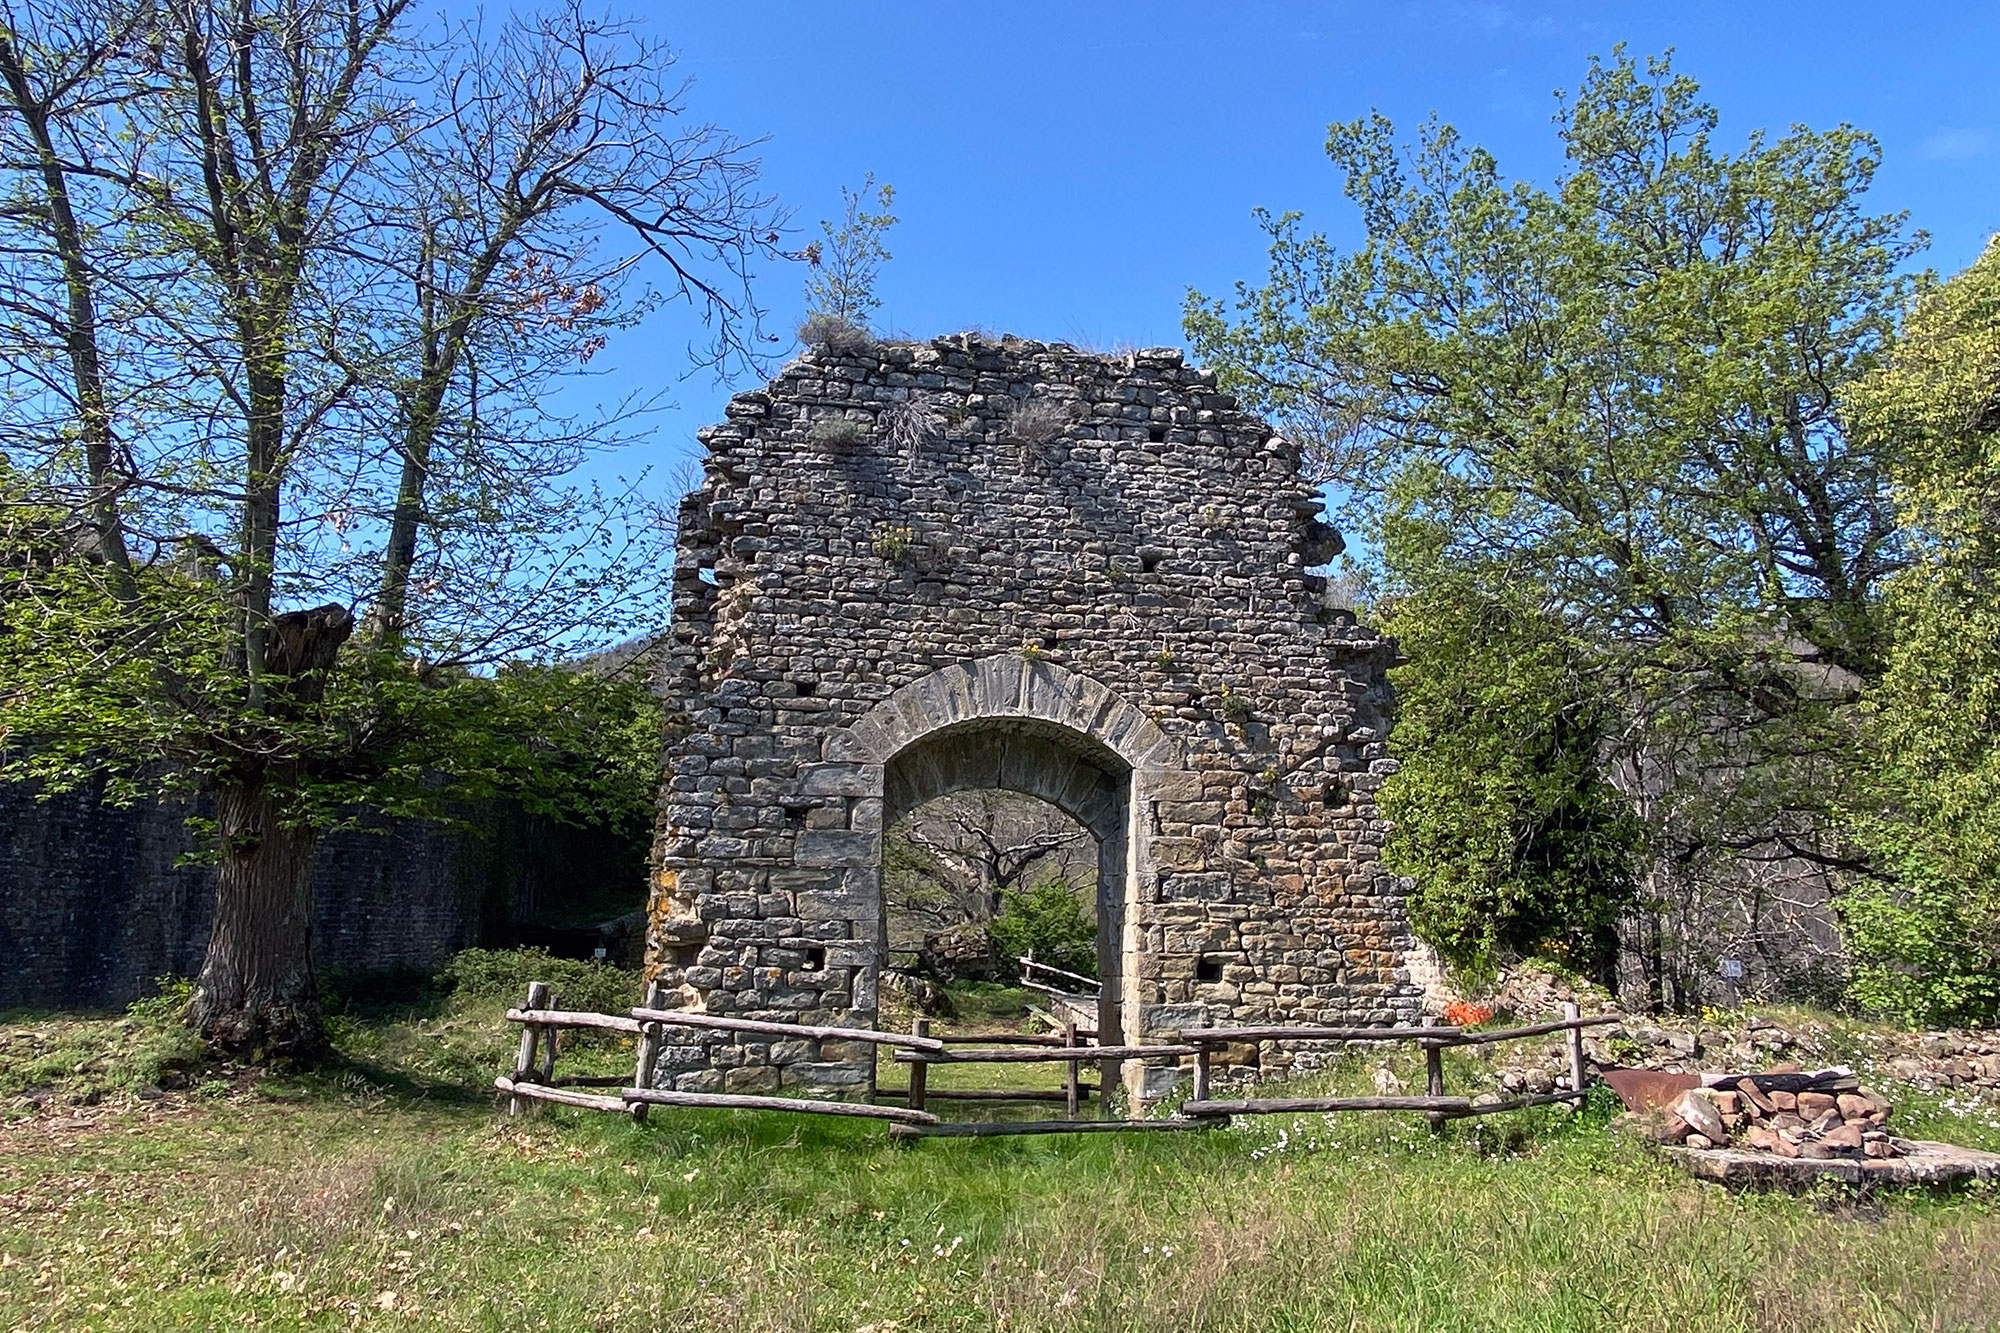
924,568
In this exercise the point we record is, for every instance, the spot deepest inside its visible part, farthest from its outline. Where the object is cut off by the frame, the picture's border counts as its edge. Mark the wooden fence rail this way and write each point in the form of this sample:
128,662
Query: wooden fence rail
534,1078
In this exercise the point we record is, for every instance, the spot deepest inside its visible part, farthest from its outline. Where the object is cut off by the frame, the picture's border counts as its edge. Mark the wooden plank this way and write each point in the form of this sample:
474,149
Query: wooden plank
572,1018
1532,1030
728,1101
648,1057
1284,1105
1029,961
1513,1104
590,1081
978,1129
989,1094
1434,1081
1007,1038
682,1018
1047,989
593,1101
1216,1036
1050,1054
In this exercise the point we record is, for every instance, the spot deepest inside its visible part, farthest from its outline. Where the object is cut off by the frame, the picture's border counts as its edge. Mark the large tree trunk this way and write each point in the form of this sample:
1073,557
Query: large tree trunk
256,994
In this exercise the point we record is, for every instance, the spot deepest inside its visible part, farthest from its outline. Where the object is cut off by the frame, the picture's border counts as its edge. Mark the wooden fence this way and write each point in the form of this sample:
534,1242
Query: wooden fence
534,1077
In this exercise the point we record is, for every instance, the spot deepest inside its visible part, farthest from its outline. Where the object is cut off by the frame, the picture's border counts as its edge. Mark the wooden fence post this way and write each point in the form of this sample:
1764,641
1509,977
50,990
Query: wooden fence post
1434,1082
919,1070
1201,1049
1572,1013
1070,1094
648,1057
524,1063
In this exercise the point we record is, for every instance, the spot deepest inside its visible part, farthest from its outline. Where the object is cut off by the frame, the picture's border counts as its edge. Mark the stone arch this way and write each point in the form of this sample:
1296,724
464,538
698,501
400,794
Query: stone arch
1023,724
1006,685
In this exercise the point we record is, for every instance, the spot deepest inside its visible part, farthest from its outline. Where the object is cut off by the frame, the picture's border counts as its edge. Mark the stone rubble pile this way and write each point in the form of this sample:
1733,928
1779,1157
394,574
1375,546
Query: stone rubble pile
1791,1115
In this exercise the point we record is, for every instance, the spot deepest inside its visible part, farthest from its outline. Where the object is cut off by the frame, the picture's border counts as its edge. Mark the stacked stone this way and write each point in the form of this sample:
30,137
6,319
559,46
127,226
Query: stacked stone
1113,540
1830,1117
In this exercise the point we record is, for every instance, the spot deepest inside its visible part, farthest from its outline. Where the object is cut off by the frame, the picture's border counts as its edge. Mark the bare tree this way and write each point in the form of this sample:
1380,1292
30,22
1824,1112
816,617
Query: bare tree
308,283
952,861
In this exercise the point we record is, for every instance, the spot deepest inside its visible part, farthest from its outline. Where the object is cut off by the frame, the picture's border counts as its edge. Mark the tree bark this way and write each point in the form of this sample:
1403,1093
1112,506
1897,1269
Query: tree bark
256,994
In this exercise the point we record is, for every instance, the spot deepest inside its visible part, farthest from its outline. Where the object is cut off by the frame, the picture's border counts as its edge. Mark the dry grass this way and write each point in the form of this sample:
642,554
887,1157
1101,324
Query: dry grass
1037,422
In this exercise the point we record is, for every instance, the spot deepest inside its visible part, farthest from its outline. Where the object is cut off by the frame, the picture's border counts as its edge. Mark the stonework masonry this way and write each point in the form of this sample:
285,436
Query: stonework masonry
97,902
928,567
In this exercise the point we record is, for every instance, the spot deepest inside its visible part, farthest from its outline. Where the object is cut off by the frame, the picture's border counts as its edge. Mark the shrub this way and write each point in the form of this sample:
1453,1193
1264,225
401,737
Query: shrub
836,432
1037,421
1046,920
913,423
835,334
502,976
895,542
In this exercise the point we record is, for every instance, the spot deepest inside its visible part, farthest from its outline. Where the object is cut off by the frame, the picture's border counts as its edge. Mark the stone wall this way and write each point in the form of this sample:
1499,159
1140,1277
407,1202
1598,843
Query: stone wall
93,907
927,567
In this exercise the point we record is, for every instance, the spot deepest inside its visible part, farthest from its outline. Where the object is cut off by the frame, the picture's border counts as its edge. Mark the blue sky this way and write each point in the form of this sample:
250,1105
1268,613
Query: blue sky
1068,170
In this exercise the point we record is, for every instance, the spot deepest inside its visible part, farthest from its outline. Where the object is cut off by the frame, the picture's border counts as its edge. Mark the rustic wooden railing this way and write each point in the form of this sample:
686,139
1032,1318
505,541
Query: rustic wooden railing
1036,976
534,1078
1433,1041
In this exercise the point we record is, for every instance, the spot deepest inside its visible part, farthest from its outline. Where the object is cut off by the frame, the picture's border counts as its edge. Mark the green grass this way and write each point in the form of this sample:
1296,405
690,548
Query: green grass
388,1192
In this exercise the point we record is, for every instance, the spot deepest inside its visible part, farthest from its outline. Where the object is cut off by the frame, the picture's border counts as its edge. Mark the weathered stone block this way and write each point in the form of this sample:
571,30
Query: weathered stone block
838,847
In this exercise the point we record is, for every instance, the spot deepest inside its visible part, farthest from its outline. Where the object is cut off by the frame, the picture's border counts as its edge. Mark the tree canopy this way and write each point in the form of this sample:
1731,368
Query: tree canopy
1622,391
1924,923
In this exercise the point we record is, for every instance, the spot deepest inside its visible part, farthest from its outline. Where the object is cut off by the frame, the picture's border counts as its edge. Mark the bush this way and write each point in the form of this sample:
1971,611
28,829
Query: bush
835,334
1046,920
836,432
1037,421
502,976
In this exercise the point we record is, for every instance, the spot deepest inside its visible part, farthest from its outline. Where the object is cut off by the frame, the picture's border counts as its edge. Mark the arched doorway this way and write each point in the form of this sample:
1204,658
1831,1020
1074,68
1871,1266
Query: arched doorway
1022,724
1069,770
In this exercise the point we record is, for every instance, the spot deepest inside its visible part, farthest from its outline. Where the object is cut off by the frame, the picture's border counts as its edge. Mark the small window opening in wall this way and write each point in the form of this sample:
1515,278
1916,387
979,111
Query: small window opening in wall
1157,434
805,687
1208,969
1148,563
706,573
815,959
795,815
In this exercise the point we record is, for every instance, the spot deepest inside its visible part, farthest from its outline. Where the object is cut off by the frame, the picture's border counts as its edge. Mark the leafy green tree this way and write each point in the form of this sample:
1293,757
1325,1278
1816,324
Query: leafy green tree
1046,919
1517,844
283,295
1924,924
1622,390
840,286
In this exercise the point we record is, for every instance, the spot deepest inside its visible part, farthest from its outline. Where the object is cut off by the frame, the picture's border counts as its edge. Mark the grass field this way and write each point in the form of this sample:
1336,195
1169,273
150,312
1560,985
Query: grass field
386,1192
